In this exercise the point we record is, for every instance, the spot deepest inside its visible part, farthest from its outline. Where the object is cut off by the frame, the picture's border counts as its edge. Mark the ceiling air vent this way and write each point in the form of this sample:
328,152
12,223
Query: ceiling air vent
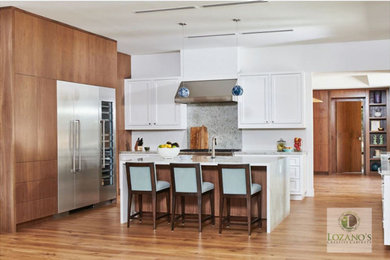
164,9
270,31
209,35
233,3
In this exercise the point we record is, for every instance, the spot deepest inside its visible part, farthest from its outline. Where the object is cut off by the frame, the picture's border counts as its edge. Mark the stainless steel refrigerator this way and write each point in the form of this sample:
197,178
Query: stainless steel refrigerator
86,145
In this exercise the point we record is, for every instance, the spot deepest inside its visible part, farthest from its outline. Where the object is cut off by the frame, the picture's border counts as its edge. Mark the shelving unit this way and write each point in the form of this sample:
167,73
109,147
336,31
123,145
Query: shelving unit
378,139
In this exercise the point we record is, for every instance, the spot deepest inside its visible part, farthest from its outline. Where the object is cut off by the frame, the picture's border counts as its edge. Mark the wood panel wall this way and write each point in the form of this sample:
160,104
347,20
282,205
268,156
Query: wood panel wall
7,199
123,137
321,131
44,51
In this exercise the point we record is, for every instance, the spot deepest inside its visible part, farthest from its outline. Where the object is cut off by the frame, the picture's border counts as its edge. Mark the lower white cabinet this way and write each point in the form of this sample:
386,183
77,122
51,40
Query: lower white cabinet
296,171
273,100
150,105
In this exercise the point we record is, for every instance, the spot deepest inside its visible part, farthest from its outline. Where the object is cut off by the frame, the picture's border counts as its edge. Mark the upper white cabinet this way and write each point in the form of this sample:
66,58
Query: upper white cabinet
149,104
271,101
252,107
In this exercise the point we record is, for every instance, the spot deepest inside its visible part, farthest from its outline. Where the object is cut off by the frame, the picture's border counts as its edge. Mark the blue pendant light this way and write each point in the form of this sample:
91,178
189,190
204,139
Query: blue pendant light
237,90
183,91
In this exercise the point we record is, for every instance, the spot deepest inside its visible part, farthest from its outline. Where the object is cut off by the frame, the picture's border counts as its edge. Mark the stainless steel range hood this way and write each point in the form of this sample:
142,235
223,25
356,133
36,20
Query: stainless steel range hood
208,91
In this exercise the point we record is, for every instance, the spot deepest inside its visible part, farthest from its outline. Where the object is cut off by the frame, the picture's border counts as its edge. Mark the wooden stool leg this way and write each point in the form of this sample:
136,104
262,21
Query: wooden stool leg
173,211
183,207
221,201
249,214
212,202
259,208
228,211
140,207
129,199
168,204
154,209
200,213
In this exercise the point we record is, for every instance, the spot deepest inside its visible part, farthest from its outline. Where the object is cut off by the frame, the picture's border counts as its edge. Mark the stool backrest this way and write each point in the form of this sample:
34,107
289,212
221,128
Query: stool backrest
235,179
186,177
141,176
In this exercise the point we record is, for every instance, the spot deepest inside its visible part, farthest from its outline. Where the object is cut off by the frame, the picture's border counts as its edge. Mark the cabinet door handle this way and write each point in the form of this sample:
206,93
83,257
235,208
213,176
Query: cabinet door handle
154,123
150,123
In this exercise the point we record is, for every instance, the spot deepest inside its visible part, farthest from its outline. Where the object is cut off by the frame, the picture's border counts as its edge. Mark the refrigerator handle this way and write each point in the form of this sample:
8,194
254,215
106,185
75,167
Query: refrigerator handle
78,146
73,147
103,122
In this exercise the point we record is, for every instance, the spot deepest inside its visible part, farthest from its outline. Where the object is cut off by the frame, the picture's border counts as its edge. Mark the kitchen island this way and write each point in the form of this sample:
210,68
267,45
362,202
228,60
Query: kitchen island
270,172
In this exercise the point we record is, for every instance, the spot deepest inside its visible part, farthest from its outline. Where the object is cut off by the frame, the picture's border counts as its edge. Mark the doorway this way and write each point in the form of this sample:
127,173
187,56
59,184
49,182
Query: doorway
349,134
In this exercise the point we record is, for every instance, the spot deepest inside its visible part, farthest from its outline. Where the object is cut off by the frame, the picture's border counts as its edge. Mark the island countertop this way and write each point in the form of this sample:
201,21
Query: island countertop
204,160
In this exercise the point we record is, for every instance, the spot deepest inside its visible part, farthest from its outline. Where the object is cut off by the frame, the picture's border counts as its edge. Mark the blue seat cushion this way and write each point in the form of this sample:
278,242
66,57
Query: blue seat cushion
207,186
160,185
255,188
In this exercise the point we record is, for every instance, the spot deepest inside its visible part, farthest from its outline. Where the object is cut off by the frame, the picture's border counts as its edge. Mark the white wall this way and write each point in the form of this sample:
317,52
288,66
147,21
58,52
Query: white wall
155,65
209,63
330,57
345,80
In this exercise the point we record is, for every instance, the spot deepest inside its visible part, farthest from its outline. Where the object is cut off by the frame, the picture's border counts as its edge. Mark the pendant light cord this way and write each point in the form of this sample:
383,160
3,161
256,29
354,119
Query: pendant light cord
182,24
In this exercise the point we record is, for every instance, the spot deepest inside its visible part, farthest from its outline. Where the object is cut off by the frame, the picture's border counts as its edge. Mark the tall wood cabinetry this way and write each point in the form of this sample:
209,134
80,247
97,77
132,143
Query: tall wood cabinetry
40,51
378,140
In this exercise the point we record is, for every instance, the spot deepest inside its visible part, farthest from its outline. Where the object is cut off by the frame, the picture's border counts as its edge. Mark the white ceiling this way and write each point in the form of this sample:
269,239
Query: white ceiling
312,22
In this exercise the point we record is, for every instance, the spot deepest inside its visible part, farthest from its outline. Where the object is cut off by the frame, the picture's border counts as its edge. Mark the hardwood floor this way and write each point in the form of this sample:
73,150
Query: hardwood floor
97,234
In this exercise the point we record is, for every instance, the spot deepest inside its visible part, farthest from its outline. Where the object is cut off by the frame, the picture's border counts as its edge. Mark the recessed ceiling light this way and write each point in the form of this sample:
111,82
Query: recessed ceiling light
164,9
233,3
270,31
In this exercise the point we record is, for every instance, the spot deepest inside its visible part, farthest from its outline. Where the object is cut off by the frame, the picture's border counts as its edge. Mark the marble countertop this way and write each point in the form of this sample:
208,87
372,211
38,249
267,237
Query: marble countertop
207,160
243,153
268,152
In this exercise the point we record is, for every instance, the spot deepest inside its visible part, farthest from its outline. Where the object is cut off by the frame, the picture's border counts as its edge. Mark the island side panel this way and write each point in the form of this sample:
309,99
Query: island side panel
279,195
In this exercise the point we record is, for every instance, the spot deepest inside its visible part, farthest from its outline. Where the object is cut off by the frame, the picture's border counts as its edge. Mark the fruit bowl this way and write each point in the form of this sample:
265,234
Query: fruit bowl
168,153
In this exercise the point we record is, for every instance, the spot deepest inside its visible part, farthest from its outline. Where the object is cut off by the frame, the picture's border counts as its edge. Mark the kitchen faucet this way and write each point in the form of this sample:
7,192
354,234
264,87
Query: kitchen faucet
213,144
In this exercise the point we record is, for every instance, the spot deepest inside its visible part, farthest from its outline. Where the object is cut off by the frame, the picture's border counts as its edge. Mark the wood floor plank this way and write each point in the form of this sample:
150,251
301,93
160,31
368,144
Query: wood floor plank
97,234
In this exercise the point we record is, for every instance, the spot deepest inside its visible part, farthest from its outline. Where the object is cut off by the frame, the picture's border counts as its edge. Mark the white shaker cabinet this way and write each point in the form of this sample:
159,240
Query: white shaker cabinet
149,105
137,103
273,100
252,106
287,99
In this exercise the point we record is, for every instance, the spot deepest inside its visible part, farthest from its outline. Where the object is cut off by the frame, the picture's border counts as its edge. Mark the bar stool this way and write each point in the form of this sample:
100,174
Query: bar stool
187,181
142,179
235,181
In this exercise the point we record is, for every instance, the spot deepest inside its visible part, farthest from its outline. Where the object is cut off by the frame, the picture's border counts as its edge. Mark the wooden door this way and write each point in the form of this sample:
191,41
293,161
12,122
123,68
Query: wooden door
348,136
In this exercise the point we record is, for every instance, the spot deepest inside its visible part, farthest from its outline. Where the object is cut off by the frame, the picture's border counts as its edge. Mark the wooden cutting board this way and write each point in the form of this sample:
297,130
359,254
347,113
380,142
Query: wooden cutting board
199,138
